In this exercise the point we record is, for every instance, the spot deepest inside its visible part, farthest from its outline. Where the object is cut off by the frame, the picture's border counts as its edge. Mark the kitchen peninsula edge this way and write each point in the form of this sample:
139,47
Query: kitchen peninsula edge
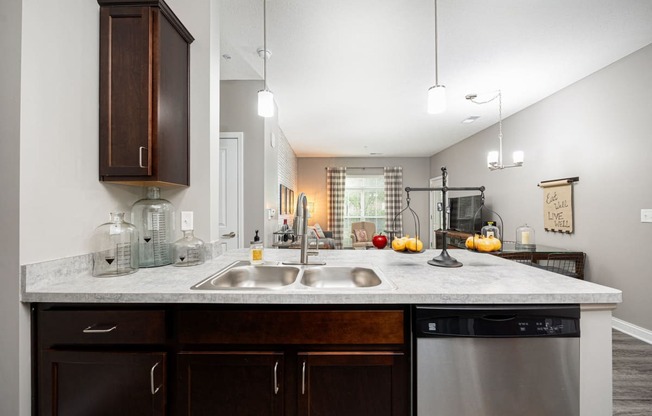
484,279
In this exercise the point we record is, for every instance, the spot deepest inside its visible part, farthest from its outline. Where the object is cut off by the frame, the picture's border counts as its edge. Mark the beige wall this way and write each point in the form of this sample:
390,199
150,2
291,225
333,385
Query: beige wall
312,181
597,129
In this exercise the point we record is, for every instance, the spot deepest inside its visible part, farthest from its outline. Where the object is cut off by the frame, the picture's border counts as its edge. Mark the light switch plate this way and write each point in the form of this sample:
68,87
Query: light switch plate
187,220
646,215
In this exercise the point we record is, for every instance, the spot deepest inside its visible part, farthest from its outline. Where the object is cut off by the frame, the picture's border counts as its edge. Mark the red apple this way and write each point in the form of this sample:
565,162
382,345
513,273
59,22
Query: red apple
379,241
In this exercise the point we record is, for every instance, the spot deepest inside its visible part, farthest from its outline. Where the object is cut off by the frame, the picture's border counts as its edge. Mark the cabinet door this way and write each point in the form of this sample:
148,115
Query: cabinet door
230,383
102,383
353,384
126,110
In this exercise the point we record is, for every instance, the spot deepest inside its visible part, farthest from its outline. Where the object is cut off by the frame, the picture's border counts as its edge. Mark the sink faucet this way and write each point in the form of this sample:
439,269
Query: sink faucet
301,230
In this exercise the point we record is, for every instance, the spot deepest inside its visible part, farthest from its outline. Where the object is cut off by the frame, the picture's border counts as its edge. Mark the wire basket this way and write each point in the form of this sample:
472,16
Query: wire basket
410,246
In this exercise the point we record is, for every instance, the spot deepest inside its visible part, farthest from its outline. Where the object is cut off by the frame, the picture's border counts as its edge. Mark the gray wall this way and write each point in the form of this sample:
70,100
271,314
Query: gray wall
13,345
263,162
597,129
239,113
312,181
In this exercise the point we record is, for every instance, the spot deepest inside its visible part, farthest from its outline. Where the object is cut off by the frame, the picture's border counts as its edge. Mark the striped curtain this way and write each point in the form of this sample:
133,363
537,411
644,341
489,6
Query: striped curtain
393,194
335,183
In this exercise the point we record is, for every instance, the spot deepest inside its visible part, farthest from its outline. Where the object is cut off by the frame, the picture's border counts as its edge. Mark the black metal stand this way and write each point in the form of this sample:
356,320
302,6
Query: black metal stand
444,259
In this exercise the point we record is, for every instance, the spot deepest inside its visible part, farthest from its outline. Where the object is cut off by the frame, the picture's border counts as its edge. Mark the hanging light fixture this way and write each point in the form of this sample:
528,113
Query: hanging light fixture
495,158
265,96
436,93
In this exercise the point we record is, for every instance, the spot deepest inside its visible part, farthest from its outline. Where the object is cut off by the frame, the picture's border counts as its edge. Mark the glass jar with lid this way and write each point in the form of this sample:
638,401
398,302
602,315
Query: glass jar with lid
115,247
490,230
154,219
525,238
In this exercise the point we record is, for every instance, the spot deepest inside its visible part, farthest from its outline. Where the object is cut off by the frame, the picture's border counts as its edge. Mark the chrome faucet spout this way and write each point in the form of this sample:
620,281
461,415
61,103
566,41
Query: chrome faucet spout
300,227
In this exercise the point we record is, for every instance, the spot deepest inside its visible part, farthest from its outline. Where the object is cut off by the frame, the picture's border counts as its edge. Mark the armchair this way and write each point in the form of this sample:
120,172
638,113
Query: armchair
362,234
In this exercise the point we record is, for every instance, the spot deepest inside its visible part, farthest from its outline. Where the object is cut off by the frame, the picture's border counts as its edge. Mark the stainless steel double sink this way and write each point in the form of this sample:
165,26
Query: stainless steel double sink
242,275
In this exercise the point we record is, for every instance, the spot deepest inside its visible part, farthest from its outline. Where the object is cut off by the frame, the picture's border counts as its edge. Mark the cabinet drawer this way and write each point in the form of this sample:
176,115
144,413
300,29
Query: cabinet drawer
101,327
292,327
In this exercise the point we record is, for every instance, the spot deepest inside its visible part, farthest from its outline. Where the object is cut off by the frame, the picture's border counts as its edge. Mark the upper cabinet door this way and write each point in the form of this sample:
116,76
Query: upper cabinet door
144,94
125,91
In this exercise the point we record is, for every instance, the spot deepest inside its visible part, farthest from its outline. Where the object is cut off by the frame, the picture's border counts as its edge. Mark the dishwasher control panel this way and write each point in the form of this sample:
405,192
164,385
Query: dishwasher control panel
497,322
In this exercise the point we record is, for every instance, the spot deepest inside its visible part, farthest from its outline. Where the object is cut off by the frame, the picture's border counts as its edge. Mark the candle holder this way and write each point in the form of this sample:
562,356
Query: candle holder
525,238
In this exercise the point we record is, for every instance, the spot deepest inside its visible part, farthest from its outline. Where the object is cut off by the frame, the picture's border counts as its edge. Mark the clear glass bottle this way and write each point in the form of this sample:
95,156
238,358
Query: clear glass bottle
490,230
154,219
525,238
115,247
189,250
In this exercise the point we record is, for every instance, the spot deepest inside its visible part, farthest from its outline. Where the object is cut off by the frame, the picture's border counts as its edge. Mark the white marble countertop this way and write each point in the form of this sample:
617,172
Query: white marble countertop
484,279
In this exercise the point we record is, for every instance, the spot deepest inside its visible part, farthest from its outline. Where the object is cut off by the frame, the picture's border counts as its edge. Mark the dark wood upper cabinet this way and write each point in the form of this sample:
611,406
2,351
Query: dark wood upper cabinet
144,94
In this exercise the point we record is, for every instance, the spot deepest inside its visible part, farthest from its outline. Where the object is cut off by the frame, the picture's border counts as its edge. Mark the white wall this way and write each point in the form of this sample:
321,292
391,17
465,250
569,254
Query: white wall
312,181
61,199
597,129
14,346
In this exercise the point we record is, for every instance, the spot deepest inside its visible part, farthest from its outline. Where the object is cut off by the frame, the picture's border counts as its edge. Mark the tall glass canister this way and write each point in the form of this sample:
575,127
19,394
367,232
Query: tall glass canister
115,247
154,219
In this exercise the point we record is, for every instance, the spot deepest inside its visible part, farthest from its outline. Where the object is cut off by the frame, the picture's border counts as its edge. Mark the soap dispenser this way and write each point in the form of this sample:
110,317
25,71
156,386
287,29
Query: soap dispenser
256,251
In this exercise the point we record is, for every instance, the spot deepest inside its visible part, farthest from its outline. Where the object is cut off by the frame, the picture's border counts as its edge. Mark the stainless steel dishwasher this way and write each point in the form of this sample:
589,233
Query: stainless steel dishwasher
497,360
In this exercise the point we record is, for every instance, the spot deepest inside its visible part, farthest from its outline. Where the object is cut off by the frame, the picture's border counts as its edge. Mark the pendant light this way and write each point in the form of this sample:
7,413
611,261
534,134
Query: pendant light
436,93
265,96
495,158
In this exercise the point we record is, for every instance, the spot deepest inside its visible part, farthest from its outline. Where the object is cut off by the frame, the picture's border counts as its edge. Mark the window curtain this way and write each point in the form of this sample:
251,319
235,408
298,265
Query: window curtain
335,183
393,194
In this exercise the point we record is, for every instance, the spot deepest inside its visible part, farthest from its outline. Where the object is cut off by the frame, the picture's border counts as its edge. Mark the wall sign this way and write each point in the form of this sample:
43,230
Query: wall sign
558,205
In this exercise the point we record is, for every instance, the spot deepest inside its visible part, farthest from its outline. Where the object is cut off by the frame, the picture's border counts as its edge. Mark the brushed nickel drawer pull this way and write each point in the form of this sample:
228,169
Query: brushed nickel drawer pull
151,380
303,378
276,388
140,156
91,330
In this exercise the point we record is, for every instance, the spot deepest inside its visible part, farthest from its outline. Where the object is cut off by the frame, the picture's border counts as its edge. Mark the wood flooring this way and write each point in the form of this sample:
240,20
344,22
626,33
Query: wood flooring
632,376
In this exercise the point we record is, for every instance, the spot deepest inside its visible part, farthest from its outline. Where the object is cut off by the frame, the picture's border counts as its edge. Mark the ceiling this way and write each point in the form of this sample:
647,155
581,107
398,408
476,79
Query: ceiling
350,77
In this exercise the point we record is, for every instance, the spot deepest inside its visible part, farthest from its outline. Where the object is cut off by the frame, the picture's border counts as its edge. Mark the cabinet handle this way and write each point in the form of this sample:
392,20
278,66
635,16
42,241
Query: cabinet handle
276,378
140,156
151,380
303,378
106,329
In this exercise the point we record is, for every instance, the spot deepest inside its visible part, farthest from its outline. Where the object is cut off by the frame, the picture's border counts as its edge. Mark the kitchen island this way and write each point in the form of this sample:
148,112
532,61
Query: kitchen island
409,280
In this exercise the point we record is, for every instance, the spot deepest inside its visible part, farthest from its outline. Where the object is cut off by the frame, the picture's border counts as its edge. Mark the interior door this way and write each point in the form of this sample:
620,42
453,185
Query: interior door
230,192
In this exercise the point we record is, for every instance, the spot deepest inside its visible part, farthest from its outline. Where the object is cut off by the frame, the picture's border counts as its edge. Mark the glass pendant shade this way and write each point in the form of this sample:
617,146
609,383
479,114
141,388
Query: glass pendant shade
518,157
265,103
492,158
437,99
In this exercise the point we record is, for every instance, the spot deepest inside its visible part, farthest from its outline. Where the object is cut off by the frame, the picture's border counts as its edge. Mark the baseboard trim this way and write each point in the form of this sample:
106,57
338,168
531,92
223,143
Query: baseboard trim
635,331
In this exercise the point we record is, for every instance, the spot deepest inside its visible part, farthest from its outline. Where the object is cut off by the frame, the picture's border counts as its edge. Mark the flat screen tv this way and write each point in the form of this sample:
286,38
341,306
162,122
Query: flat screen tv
462,212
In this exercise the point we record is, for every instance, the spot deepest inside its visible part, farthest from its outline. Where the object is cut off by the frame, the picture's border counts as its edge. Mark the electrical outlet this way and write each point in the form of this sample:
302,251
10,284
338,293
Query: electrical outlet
186,220
646,215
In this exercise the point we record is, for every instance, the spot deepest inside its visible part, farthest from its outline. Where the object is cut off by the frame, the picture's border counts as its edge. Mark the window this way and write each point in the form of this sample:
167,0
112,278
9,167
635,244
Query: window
364,200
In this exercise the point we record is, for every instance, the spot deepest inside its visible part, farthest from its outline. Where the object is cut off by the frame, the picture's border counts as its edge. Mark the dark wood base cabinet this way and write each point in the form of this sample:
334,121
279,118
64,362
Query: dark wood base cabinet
228,361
